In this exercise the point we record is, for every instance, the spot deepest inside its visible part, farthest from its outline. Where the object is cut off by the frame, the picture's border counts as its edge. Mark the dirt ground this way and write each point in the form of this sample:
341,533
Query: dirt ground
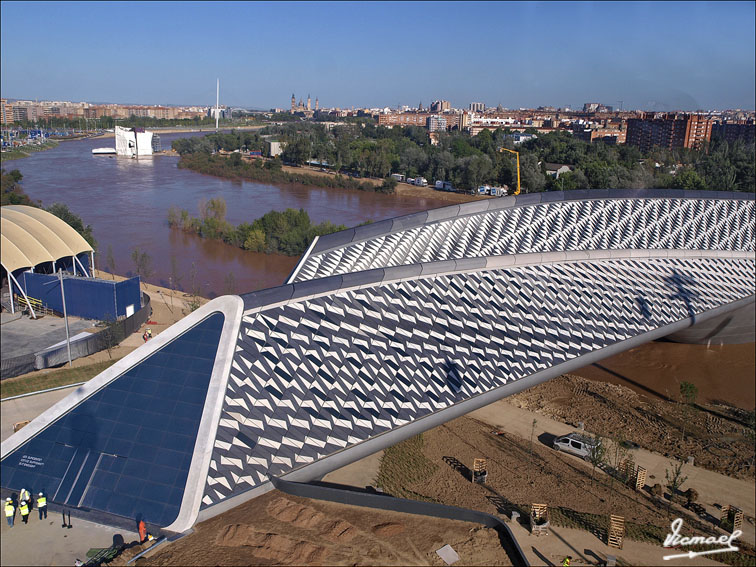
721,373
278,529
436,467
715,434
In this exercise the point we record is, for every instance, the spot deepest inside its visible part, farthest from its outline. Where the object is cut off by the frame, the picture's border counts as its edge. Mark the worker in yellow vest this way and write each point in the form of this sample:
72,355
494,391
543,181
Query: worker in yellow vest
566,561
24,496
42,505
10,511
24,509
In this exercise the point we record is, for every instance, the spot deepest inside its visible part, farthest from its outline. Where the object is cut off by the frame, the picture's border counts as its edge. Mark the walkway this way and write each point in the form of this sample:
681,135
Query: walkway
46,542
713,488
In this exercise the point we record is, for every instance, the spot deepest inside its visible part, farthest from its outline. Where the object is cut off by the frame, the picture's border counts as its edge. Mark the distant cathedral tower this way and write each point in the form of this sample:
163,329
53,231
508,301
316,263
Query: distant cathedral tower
293,103
317,105
309,106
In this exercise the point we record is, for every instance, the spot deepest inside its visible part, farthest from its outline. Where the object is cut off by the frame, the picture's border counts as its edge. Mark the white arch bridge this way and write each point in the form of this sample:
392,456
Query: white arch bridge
385,331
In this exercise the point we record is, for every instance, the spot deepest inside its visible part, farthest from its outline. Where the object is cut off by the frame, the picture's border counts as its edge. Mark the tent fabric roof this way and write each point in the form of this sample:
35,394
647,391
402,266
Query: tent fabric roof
32,236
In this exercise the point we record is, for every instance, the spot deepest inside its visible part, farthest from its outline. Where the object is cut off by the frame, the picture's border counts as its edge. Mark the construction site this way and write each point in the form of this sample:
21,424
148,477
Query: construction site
556,504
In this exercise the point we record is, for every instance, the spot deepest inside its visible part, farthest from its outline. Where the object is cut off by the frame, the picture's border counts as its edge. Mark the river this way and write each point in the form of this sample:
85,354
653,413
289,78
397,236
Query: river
126,201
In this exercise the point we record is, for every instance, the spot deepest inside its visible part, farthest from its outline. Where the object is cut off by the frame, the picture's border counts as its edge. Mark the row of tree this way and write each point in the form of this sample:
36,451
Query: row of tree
289,232
271,171
377,151
13,194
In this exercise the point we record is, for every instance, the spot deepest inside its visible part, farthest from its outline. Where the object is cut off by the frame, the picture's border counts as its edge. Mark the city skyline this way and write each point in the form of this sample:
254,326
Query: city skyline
652,56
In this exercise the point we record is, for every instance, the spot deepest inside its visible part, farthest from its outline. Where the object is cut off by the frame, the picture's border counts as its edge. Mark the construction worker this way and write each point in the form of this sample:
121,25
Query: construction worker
149,333
42,505
25,496
142,531
566,561
10,511
24,509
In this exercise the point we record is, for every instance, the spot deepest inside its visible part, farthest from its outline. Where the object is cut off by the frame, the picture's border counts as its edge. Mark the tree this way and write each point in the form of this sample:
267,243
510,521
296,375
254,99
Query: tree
674,479
532,178
175,278
64,213
619,452
194,289
110,334
688,393
110,261
688,179
142,264
530,450
596,455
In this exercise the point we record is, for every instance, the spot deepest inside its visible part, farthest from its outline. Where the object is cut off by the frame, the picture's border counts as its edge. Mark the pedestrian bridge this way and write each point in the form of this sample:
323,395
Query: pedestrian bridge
383,332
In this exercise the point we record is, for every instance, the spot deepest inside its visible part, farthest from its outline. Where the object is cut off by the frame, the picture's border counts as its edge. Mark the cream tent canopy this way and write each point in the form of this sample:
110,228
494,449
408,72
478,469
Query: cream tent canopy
31,236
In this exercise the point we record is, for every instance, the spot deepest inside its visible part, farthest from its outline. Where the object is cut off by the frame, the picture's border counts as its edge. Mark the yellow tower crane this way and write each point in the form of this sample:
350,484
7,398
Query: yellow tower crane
517,192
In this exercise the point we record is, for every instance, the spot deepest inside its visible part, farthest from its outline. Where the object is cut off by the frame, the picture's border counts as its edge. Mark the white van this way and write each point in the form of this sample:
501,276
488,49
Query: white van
576,444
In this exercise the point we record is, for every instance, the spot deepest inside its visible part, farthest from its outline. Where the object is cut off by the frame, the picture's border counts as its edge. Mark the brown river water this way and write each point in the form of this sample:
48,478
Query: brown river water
126,201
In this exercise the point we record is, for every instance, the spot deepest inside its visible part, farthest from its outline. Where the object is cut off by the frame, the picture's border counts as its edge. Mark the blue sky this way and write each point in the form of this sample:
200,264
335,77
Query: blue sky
650,55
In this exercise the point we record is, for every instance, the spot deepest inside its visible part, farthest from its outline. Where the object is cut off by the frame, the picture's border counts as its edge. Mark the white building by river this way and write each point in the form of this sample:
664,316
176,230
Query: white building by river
133,142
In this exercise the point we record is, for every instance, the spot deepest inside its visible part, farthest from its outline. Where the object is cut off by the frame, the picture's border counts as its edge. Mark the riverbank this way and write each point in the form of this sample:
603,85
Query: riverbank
264,171
26,151
401,189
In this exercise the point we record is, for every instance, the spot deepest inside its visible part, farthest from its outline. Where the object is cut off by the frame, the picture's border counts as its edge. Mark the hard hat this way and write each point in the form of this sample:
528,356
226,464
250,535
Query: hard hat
23,502
40,494
7,499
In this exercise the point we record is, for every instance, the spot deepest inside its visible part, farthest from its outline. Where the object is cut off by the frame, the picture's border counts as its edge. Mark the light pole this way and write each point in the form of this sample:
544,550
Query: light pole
65,314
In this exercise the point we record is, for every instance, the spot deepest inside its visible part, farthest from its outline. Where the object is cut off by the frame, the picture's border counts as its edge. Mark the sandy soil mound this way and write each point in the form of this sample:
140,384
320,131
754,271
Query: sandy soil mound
307,517
277,547
388,530
278,529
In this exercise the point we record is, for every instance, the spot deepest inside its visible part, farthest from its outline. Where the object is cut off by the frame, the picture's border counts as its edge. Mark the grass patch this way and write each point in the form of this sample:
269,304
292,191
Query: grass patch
404,465
62,377
26,151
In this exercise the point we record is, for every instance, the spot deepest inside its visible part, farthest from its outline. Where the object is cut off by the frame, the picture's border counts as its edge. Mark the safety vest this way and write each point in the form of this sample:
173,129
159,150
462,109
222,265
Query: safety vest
41,502
24,509
24,496
9,510
565,562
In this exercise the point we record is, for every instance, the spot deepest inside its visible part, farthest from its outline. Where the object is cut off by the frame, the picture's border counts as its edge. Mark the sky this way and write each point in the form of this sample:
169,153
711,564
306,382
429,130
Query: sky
633,55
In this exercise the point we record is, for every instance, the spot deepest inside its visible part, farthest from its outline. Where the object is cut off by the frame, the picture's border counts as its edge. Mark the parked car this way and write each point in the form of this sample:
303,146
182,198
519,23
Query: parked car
575,444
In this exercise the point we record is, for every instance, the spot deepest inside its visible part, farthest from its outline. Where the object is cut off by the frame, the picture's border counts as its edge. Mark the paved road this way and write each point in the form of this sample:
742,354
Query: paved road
25,335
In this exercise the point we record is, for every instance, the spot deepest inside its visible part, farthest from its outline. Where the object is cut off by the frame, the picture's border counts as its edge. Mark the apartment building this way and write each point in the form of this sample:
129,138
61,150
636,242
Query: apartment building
669,130
732,131
436,124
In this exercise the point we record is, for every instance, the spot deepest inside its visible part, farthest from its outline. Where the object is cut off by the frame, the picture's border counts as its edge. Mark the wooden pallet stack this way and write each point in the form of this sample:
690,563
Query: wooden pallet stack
539,519
616,531
626,469
480,471
732,512
640,478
